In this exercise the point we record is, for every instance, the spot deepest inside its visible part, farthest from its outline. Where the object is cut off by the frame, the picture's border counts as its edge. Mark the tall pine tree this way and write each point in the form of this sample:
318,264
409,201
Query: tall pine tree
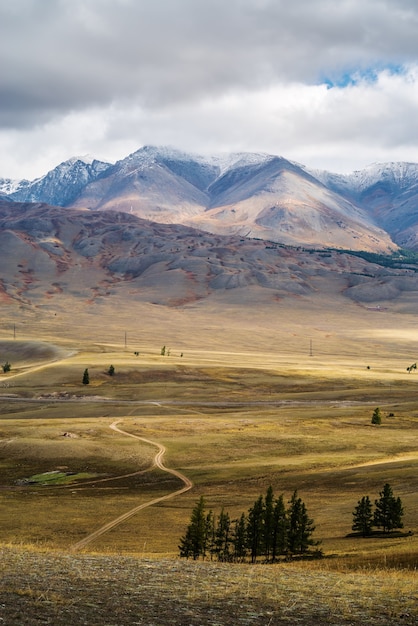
255,529
222,537
268,529
389,511
193,543
300,527
239,541
363,517
280,525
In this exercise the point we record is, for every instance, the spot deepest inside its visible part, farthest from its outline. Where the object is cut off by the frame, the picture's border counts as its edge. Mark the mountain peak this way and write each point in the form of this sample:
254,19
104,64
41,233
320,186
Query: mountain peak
256,194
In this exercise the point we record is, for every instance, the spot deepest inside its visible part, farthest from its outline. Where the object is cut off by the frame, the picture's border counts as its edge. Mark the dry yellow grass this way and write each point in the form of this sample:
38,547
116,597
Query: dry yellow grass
246,405
96,589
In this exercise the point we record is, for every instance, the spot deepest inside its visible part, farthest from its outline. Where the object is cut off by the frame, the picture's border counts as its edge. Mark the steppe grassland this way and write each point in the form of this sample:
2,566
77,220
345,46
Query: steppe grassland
320,442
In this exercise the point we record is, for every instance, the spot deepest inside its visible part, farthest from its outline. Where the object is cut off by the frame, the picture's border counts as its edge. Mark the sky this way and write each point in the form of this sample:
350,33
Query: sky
331,84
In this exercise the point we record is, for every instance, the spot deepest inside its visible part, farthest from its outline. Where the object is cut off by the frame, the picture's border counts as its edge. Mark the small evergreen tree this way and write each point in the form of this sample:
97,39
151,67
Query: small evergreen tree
255,528
279,539
111,371
300,526
389,511
268,528
239,541
86,377
194,542
6,367
222,537
209,536
163,351
377,417
363,516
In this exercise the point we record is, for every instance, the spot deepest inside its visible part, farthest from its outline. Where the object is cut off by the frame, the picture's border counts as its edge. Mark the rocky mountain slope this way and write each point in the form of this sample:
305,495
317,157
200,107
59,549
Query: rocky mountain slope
60,186
389,191
253,195
93,255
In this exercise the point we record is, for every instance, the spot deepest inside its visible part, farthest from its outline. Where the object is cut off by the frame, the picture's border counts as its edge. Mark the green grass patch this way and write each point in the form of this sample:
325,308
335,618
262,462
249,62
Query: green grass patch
56,477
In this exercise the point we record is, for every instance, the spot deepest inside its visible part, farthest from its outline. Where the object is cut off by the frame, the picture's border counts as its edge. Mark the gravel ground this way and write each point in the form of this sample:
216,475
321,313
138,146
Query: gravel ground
65,590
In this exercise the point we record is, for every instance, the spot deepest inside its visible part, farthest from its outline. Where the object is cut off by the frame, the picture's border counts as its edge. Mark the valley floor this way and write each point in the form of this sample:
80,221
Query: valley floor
248,397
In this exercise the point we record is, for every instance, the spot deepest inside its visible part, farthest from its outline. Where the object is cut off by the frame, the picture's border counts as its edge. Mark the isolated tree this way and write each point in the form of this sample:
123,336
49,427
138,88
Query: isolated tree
6,367
300,526
389,511
86,377
193,543
377,417
363,516
163,351
411,367
111,370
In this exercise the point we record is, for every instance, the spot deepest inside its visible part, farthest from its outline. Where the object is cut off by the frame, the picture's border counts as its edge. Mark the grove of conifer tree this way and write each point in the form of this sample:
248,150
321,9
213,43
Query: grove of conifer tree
268,531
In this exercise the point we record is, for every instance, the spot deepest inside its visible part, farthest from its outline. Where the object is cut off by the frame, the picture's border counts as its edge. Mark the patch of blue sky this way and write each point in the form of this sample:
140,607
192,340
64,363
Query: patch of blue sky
370,75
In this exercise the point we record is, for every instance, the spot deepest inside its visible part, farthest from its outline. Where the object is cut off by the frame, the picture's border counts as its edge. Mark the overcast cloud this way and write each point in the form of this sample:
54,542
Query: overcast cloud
329,83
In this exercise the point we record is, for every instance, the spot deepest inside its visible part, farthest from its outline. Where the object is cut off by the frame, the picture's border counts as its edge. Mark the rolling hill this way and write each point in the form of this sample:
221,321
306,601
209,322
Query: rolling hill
94,255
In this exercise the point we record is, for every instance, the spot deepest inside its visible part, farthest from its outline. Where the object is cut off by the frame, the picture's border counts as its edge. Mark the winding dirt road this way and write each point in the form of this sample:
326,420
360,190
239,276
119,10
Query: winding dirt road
158,462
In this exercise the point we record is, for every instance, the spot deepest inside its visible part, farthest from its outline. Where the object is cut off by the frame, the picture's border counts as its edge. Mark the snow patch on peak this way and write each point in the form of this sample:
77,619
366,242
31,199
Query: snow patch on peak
147,155
10,185
150,154
401,173
88,159
225,161
397,173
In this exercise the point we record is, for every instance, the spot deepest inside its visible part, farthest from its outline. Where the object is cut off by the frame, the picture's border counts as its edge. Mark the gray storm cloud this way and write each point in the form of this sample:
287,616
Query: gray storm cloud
320,80
61,55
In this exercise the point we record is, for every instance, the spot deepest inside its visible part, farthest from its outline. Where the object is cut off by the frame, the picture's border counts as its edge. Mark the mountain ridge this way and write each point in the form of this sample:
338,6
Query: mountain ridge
244,194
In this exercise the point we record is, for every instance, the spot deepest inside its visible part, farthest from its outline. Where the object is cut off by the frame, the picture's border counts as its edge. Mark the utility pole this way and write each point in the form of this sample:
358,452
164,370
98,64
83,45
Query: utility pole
126,340
310,348
14,331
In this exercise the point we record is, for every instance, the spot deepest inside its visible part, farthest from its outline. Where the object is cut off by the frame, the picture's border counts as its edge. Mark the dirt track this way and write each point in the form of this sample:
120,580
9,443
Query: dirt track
158,462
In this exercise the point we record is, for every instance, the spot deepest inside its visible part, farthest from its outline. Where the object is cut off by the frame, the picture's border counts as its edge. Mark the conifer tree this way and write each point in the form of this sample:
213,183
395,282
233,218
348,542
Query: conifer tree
222,537
268,527
193,543
300,526
240,539
389,511
209,535
377,417
280,523
255,528
363,516
86,377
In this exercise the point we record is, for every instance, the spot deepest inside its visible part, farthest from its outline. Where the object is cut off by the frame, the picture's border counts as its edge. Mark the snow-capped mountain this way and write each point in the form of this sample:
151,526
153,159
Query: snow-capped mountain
254,195
388,191
61,185
9,186
397,175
